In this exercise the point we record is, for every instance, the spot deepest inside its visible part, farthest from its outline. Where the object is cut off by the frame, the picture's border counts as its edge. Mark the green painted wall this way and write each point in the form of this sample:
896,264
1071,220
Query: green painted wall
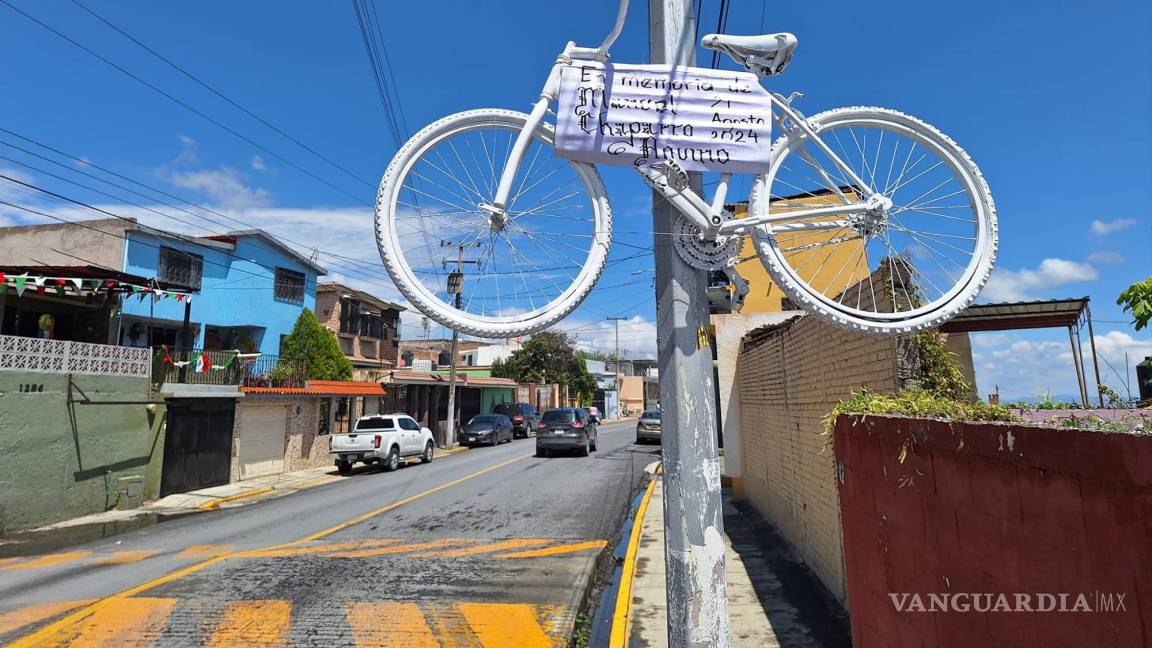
490,397
58,461
483,372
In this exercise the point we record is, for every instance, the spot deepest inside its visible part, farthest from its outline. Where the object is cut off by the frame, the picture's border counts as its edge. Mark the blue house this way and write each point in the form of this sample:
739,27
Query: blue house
251,289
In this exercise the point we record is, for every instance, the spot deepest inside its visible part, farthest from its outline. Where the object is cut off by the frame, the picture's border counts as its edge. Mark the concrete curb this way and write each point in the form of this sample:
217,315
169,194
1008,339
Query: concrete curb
621,617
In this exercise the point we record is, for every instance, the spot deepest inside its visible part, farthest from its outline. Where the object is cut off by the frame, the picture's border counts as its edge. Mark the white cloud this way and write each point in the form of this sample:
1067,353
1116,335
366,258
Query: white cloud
637,336
189,151
258,164
224,187
1025,365
1017,285
1106,256
1104,228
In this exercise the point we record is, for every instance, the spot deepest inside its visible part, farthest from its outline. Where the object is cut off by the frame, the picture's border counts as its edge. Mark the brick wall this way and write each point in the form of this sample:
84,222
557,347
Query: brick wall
303,448
935,507
790,376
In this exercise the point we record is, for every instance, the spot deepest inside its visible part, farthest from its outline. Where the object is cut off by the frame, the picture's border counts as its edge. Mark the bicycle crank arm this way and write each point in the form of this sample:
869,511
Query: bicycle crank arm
672,184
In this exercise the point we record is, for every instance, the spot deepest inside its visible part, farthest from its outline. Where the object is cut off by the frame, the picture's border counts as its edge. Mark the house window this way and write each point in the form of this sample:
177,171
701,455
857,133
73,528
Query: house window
180,267
350,315
289,286
370,325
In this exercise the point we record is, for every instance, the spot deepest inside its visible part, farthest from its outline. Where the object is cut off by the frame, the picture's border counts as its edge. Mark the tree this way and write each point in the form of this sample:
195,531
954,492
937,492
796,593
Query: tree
548,357
1137,299
319,346
498,369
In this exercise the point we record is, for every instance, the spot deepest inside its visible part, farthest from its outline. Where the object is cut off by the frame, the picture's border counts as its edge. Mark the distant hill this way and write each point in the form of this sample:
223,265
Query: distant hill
1057,398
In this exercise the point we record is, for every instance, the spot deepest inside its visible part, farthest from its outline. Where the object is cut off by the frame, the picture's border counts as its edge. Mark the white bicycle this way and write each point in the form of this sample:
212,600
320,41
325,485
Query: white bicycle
867,217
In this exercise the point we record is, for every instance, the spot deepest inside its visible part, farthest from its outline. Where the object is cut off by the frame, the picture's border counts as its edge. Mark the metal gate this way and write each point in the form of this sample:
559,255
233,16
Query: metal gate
197,444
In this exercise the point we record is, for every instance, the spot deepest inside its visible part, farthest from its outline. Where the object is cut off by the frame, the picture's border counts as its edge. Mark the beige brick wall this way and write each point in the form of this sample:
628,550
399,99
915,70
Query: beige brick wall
789,379
302,447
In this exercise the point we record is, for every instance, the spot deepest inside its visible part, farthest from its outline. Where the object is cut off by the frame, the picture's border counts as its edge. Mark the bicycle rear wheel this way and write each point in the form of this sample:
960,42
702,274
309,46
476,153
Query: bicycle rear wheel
519,277
918,257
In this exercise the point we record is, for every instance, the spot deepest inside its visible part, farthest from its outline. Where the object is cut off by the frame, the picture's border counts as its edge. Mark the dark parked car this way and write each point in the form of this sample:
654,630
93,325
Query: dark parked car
648,427
524,417
565,428
487,429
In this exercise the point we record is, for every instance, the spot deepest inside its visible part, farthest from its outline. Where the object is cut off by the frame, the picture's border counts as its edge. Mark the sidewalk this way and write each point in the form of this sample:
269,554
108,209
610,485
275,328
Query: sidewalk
761,616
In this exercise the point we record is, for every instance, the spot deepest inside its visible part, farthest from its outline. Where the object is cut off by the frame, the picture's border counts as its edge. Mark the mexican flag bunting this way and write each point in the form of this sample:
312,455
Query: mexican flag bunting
203,363
179,297
167,356
3,277
38,281
79,283
20,281
60,291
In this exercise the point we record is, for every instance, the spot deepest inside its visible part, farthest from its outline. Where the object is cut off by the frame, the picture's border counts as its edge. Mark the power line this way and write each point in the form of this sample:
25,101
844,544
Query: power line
216,92
179,101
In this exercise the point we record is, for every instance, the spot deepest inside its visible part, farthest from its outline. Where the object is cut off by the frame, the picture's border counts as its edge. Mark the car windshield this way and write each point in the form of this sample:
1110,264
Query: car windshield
508,409
559,416
374,424
651,414
486,419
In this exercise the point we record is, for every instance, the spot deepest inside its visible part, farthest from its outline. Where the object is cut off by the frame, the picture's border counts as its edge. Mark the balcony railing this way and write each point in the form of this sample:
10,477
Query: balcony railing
200,367
60,356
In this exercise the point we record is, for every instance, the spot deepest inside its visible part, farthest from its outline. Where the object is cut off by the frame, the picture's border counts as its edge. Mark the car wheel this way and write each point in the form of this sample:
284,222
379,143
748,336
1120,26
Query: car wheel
541,452
593,445
583,452
392,461
428,451
345,467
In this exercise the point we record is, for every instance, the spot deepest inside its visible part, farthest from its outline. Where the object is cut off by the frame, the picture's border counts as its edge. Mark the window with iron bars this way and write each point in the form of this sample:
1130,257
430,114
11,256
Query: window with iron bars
289,286
350,315
180,267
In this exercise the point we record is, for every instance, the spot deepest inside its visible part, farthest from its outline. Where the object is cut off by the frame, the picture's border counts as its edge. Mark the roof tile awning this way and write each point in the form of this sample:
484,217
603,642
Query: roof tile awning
322,388
1015,316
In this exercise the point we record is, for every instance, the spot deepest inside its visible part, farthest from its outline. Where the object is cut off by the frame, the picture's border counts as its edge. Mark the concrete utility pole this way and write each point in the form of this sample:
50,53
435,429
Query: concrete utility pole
693,518
456,286
617,320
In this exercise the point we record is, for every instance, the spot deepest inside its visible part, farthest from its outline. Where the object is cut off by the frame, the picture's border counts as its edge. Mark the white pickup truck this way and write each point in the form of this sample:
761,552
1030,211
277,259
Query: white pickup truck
382,439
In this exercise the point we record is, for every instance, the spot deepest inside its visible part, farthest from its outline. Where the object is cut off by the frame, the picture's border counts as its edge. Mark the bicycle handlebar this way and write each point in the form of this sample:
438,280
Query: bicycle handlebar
621,14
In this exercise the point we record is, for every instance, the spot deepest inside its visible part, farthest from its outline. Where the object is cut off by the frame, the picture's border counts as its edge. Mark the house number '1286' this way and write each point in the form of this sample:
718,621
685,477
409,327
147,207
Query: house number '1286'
31,388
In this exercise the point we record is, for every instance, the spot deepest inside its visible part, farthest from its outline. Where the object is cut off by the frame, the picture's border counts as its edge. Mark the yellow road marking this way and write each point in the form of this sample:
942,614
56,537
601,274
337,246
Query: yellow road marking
620,618
505,625
9,561
49,560
123,622
204,551
384,509
253,623
416,546
121,557
16,619
35,639
316,549
555,551
485,548
215,504
390,625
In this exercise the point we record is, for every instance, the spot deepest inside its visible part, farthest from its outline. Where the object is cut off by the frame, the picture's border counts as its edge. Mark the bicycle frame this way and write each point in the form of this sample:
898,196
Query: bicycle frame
708,216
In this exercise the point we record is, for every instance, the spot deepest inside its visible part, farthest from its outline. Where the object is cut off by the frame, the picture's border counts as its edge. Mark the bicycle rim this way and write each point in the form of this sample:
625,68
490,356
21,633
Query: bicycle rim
926,257
517,278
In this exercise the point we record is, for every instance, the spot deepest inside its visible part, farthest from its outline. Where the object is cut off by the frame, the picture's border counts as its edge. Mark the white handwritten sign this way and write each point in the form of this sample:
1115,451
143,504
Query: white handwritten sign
702,119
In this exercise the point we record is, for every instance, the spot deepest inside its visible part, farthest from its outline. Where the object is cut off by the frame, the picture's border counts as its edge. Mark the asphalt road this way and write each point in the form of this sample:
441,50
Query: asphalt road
491,547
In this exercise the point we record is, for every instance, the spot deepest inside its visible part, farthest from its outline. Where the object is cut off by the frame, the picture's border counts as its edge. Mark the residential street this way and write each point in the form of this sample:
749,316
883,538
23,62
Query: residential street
490,547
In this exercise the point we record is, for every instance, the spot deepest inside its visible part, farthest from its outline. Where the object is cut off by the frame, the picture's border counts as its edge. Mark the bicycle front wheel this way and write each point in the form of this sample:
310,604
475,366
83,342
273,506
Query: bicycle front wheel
518,275
917,256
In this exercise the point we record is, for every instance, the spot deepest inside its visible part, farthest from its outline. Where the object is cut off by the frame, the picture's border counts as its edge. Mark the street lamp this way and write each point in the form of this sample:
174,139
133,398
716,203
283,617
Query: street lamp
617,321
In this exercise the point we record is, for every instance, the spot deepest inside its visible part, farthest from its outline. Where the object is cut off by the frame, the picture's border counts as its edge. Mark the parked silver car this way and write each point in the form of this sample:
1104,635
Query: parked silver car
648,427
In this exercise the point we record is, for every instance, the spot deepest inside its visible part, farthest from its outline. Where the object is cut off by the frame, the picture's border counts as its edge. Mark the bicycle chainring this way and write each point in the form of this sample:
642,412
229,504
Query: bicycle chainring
701,254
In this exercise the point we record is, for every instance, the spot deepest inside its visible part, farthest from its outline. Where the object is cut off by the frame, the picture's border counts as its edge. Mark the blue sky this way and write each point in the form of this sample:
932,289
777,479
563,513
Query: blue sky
1052,101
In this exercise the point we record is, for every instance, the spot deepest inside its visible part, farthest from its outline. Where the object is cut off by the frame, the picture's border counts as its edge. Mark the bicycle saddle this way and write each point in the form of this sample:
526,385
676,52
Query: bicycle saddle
766,55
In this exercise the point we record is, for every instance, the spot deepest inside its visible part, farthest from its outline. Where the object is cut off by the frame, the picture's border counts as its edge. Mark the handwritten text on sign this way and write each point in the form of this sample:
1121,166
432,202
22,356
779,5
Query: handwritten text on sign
702,119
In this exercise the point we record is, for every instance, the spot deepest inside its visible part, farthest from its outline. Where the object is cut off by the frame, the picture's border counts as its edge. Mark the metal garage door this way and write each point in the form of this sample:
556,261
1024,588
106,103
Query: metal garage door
261,440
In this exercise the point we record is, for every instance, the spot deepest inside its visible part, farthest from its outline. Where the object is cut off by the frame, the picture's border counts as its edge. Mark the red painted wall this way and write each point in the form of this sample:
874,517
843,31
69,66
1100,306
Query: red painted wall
991,508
